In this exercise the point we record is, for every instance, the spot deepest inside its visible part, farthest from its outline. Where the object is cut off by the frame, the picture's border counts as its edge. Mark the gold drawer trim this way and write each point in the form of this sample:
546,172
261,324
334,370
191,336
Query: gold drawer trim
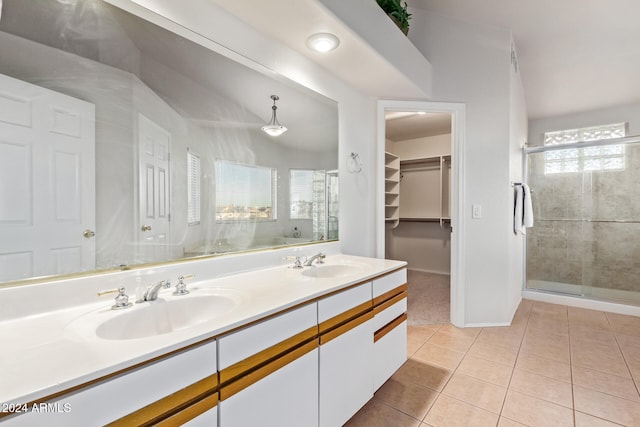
346,327
265,356
389,327
193,400
252,377
390,294
388,303
352,313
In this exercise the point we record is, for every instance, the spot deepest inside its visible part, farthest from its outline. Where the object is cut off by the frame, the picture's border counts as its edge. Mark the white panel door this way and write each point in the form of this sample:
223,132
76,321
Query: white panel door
47,181
154,144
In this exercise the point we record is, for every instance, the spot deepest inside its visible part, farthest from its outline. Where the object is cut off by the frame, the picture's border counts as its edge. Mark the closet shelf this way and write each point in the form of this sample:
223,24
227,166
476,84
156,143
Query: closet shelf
431,219
392,187
421,161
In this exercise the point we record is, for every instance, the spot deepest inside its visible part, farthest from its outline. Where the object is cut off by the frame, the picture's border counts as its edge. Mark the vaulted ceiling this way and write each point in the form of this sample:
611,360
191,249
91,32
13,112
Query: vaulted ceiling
573,55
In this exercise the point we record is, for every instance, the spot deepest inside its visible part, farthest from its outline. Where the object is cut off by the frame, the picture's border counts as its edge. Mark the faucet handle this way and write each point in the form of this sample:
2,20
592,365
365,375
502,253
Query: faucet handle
297,261
321,257
121,300
181,287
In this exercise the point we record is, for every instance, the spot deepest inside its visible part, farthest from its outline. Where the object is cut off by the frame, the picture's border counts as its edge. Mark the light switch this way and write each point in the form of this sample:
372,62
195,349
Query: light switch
476,211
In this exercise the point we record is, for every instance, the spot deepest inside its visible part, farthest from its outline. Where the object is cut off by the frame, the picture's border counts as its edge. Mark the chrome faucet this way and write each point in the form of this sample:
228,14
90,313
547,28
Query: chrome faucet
152,291
319,258
121,300
181,287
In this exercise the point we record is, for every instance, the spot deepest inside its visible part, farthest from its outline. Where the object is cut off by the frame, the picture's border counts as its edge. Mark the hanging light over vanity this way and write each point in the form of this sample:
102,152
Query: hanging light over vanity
274,128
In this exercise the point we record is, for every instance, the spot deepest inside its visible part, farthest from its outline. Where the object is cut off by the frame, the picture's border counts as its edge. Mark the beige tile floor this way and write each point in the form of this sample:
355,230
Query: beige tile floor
554,366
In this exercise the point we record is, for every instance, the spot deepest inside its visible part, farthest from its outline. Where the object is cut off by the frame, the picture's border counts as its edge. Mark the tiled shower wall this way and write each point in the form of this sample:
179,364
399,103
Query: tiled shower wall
587,225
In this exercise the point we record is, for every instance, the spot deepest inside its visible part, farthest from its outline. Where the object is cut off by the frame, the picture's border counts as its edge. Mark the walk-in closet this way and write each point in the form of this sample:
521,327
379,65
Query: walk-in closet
417,208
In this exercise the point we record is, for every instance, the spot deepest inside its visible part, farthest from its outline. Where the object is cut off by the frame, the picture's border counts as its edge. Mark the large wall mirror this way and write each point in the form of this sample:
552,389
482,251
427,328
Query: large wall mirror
123,144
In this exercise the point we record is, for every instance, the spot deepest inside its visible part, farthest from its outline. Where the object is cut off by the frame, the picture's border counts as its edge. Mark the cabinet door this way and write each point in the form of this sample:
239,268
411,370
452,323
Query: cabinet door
346,345
390,342
346,377
389,325
287,397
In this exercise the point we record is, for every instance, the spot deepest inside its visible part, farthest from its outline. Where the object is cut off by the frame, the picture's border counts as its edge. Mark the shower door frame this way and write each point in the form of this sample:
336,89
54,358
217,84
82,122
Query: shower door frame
525,168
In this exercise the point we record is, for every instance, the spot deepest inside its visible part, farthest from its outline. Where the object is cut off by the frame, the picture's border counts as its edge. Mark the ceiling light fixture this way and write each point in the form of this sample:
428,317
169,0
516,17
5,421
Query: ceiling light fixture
322,42
274,128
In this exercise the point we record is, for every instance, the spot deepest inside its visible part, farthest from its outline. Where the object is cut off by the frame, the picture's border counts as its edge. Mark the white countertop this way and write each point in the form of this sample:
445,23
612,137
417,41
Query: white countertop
44,353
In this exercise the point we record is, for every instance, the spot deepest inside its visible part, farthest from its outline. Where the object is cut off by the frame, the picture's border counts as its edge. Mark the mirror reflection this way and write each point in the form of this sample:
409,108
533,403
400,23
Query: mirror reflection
122,143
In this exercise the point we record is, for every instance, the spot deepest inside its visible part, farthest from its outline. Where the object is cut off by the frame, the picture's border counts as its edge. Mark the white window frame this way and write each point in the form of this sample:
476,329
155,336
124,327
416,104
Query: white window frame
592,158
236,193
294,196
193,189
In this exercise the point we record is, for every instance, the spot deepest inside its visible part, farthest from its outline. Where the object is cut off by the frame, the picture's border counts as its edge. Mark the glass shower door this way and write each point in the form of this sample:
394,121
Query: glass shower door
586,236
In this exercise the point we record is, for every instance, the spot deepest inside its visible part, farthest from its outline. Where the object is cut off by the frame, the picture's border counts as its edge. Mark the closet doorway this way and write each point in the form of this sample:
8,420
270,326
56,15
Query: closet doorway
420,199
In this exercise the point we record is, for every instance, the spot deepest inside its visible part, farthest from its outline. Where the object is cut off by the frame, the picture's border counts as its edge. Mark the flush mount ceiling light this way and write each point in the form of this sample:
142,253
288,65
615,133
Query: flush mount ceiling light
274,128
322,42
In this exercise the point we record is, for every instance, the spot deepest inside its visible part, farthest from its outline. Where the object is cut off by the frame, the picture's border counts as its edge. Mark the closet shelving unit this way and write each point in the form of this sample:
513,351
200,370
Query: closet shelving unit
426,187
392,188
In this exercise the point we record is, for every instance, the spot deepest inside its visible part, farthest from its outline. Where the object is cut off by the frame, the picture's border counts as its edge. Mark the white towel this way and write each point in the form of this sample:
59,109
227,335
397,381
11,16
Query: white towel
522,210
527,215
517,210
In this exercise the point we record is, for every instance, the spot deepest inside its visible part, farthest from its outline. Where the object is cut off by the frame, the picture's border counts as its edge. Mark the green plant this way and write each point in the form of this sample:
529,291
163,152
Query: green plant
397,11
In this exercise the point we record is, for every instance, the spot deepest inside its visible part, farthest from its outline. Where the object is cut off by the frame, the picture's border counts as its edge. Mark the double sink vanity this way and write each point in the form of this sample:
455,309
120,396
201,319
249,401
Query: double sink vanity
276,346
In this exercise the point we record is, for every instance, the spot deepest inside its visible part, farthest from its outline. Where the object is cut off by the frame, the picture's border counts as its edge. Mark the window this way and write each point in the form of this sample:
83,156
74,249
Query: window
193,189
300,194
245,192
597,158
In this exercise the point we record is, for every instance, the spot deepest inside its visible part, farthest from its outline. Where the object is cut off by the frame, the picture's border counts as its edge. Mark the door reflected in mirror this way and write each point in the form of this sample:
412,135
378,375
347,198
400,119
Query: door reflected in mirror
124,144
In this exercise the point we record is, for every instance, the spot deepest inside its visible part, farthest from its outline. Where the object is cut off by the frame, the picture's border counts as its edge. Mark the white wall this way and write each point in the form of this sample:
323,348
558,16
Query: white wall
623,113
471,64
518,136
430,146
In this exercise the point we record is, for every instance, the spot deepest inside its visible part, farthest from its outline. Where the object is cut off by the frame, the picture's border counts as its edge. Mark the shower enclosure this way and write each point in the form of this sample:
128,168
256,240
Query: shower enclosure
586,237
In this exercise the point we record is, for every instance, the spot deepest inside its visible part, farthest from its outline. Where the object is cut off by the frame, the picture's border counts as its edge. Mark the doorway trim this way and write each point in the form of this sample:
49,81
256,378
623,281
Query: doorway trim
458,125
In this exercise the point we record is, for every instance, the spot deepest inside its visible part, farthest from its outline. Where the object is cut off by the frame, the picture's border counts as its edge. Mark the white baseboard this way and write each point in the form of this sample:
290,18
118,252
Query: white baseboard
421,270
580,302
486,325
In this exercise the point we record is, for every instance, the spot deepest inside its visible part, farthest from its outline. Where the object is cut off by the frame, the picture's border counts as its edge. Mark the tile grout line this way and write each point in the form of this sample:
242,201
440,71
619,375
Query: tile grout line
524,332
624,357
573,395
451,376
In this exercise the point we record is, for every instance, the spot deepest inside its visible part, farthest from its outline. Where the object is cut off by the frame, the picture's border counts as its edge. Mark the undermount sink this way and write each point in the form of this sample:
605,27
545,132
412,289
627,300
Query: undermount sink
328,271
153,318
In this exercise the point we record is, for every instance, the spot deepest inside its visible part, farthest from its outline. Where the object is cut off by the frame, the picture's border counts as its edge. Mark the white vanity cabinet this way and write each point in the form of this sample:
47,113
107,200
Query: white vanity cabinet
180,386
269,372
389,325
346,346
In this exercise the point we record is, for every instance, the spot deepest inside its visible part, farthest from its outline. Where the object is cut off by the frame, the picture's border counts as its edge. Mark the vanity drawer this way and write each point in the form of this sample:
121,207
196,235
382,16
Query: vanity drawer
103,401
244,343
389,282
387,315
355,300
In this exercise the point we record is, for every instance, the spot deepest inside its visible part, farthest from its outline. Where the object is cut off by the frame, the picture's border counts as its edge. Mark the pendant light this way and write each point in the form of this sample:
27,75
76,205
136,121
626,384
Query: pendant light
274,128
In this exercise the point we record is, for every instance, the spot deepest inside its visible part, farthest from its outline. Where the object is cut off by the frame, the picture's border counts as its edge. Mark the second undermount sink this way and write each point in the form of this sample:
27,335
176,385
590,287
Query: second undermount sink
159,317
332,270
